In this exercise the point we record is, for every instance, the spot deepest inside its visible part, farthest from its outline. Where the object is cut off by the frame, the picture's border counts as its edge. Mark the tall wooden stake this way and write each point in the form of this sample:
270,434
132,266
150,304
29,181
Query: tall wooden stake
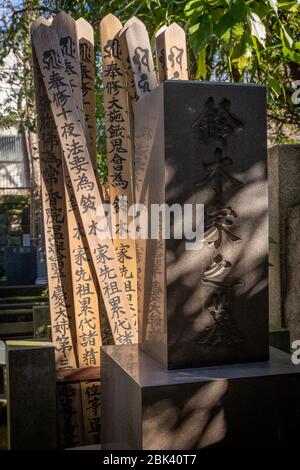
161,54
79,166
119,152
54,216
86,305
85,36
141,59
126,60
171,53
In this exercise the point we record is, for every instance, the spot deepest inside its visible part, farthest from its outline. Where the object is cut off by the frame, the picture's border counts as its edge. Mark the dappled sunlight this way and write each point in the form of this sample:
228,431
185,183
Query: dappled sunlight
186,423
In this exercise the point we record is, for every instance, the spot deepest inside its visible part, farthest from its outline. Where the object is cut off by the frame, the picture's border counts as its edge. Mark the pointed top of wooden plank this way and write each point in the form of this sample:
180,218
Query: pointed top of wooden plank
40,20
85,29
133,19
174,27
110,26
141,60
160,53
62,15
62,19
110,21
40,29
171,43
161,30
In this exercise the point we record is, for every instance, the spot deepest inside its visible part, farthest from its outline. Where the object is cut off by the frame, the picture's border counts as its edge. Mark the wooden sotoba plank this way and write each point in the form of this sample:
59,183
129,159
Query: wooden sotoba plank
171,53
90,205
86,304
119,154
55,227
141,59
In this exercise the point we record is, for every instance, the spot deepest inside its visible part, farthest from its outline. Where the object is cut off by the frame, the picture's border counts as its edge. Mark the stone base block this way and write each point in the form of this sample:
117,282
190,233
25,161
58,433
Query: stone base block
249,406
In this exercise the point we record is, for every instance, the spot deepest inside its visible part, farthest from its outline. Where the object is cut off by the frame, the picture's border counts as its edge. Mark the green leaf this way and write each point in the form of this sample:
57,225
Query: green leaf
257,28
193,6
201,65
239,11
292,6
241,46
274,85
202,34
272,241
226,22
287,37
217,3
257,51
274,6
193,29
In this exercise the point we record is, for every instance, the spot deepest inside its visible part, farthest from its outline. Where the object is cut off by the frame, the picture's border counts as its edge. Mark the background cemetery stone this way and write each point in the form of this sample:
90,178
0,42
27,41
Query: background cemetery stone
31,392
284,200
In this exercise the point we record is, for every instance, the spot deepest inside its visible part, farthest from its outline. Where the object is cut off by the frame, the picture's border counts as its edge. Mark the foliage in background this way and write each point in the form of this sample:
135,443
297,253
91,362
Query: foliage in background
233,40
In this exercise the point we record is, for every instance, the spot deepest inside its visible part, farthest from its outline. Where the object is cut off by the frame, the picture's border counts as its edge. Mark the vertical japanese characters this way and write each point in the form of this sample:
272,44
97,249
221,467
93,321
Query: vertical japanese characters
79,167
119,154
216,124
56,235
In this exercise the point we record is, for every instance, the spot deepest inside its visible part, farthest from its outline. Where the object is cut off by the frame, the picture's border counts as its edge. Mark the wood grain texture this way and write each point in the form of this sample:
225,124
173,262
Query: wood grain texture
89,202
55,226
171,53
141,60
86,305
119,153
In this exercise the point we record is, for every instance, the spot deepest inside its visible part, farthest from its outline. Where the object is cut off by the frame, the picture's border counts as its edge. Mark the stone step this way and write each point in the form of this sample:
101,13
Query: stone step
21,300
11,316
16,306
10,291
13,330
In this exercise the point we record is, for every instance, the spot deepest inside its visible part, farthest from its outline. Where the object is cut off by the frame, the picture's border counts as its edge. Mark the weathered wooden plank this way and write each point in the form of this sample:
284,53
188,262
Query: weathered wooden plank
171,53
141,59
82,374
125,58
161,54
65,28
119,153
55,227
69,414
85,36
86,305
89,202
91,401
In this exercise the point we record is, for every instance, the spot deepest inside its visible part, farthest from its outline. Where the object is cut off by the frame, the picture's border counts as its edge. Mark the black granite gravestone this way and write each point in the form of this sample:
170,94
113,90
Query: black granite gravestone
204,143
204,312
20,265
233,407
31,395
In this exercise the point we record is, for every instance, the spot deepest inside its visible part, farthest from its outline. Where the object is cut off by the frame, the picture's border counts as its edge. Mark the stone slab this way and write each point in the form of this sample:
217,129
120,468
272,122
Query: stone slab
245,406
204,143
20,265
31,395
284,197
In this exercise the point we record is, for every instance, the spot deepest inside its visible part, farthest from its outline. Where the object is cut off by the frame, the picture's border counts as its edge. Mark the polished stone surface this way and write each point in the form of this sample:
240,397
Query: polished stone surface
20,265
31,395
280,338
246,406
284,204
204,143
149,373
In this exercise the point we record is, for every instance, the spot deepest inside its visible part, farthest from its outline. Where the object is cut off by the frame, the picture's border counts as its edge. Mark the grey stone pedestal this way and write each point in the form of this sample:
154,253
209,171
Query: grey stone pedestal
249,406
31,395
